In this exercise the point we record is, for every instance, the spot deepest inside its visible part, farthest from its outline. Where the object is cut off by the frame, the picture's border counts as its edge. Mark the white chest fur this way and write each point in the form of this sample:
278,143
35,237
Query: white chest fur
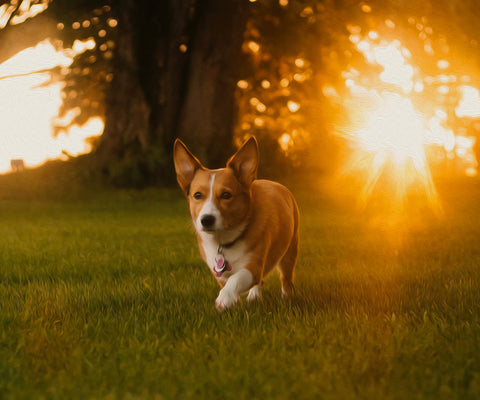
236,255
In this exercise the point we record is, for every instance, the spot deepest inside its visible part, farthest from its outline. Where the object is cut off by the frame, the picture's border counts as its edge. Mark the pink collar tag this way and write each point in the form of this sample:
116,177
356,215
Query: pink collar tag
221,266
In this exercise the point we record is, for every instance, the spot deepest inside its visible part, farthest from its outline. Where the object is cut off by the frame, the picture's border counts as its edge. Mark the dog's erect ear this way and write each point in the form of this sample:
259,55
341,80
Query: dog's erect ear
245,162
186,164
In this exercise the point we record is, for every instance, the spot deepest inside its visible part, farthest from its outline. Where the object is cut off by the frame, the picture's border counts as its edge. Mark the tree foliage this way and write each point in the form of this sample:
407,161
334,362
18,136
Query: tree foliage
88,77
299,50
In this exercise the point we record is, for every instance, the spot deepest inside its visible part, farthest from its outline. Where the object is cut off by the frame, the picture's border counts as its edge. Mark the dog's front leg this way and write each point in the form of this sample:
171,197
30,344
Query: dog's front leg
238,283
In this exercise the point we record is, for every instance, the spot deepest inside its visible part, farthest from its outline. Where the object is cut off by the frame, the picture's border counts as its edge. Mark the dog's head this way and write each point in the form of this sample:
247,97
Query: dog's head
219,199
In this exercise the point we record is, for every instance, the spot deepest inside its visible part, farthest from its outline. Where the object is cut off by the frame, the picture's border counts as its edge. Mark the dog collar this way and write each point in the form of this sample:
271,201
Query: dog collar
221,264
230,244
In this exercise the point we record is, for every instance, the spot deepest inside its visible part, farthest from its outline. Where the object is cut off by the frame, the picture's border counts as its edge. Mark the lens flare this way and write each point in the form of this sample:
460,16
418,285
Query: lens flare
395,129
392,140
392,136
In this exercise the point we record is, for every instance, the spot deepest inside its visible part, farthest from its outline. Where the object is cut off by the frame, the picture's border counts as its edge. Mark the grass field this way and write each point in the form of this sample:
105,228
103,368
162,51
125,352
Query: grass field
103,296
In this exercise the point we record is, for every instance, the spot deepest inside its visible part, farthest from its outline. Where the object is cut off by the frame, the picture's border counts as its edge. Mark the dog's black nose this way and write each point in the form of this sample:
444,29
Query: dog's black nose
207,221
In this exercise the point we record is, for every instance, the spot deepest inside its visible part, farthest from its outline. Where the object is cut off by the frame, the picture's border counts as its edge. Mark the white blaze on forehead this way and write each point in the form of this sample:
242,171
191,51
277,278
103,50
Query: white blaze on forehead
209,208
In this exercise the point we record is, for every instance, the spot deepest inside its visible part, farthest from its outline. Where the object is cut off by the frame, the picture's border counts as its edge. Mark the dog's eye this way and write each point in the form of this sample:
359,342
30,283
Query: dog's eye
226,195
197,196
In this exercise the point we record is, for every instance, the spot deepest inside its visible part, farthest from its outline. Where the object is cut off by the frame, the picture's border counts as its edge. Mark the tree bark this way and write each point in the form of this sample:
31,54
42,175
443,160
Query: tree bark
176,66
125,138
208,113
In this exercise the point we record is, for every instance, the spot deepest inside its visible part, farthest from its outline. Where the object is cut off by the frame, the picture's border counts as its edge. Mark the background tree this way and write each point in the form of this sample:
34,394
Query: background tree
213,72
175,68
158,70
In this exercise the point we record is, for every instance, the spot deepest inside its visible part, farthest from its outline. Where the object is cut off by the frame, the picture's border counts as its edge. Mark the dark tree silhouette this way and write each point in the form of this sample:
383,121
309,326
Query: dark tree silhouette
175,69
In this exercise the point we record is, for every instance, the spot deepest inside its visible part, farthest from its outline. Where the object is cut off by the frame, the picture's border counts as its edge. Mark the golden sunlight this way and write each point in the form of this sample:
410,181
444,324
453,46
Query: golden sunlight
388,132
393,133
394,130
392,138
391,56
469,105
27,108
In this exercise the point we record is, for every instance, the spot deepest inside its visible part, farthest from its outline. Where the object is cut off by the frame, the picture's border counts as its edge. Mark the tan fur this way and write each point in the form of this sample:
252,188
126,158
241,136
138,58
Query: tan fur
273,232
261,216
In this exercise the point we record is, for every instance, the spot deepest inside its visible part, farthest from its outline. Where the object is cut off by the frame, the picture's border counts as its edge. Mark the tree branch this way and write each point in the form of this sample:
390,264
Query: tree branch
15,38
40,71
12,14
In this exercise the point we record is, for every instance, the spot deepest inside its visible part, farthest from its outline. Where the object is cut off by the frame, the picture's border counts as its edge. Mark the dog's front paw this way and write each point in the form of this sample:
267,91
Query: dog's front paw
225,299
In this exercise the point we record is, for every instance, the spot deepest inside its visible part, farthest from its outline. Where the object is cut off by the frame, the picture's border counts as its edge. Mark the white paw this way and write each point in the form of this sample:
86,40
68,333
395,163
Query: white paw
255,293
225,299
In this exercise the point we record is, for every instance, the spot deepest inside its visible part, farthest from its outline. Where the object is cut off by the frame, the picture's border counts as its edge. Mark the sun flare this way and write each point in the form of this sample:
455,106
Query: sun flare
388,133
394,130
392,139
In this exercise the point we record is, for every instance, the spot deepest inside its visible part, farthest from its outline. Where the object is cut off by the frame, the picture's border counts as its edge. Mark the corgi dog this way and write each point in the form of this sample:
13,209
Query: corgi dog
245,227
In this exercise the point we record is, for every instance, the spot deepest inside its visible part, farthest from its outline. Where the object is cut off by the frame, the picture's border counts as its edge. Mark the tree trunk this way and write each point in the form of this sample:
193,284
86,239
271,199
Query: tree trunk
209,112
176,66
124,144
